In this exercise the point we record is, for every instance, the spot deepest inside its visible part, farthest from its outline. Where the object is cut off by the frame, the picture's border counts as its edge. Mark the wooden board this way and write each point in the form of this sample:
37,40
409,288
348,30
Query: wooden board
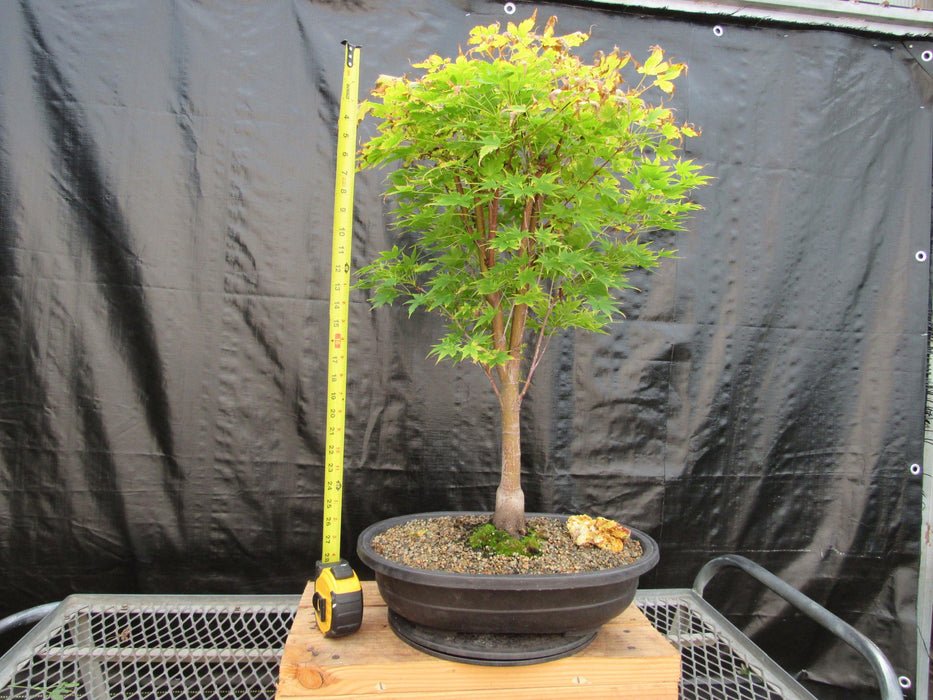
628,659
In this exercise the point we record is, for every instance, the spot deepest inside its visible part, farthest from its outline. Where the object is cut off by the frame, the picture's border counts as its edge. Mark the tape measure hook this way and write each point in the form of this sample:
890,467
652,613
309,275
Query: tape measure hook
350,49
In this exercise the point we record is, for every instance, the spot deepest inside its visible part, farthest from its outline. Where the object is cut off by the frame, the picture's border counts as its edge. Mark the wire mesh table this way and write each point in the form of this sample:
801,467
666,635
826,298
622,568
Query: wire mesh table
105,646
141,646
96,646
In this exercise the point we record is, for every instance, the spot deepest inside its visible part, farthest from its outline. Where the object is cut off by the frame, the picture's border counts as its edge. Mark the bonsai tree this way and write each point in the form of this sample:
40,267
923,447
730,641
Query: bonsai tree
525,179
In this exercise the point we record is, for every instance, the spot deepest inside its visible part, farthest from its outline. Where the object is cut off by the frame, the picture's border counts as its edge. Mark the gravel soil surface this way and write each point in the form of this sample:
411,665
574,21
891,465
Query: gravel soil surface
440,544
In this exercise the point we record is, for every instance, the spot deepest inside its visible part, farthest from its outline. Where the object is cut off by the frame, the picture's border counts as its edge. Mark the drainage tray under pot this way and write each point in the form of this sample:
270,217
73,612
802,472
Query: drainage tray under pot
490,649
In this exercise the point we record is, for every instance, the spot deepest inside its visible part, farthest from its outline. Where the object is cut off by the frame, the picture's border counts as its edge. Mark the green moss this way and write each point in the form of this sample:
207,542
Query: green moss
489,538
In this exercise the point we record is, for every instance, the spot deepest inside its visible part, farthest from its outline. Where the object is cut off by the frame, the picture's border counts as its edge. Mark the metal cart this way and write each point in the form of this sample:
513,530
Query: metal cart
135,646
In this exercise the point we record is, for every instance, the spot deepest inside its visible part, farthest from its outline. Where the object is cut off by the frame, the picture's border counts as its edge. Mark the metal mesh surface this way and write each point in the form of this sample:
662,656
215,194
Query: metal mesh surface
710,667
717,661
155,651
95,647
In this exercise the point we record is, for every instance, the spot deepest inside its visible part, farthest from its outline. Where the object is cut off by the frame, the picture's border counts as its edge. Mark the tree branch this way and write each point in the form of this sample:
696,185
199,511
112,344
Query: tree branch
495,387
540,347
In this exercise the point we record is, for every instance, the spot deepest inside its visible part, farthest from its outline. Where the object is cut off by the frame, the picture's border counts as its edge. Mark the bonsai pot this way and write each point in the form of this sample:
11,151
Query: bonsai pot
563,610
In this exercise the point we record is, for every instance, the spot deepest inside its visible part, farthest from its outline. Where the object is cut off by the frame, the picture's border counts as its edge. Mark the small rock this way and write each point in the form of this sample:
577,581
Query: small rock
601,532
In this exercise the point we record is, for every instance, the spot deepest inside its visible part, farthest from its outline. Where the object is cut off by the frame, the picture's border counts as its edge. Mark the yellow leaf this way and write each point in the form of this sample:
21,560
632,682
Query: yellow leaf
576,39
529,23
364,108
383,83
654,60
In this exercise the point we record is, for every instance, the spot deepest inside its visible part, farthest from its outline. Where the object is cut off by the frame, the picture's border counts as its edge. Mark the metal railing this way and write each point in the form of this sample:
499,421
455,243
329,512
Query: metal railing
887,678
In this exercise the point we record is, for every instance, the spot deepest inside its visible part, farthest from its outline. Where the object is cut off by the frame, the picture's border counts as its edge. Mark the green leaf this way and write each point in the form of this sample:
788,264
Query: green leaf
451,199
491,143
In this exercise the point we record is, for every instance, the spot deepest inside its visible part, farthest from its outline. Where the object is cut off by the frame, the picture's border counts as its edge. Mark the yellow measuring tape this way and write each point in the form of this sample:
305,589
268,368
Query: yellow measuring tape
338,598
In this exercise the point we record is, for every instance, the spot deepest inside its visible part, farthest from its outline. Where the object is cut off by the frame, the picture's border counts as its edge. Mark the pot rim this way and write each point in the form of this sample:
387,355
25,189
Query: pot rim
450,579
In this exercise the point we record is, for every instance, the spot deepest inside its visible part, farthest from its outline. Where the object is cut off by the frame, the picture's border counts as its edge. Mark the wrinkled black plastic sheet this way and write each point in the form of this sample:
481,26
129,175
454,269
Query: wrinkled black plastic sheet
166,179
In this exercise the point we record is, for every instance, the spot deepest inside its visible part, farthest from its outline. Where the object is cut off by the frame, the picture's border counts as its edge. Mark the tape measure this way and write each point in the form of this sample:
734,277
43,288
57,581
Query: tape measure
338,597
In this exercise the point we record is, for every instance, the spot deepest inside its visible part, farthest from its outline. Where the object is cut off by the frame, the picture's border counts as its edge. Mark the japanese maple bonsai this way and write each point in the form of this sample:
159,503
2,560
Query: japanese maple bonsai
527,182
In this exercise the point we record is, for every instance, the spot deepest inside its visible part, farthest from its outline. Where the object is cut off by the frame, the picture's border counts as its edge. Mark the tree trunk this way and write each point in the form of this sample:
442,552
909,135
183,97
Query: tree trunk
510,500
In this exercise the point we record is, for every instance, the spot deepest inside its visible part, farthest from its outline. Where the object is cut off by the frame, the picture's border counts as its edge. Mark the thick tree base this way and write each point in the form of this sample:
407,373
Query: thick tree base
510,512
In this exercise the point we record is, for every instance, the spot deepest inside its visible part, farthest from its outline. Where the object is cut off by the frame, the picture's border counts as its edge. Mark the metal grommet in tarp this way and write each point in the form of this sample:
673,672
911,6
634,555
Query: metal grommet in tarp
922,52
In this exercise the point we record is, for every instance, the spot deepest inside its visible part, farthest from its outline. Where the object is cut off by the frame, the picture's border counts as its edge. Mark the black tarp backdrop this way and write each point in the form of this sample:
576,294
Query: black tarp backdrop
166,179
